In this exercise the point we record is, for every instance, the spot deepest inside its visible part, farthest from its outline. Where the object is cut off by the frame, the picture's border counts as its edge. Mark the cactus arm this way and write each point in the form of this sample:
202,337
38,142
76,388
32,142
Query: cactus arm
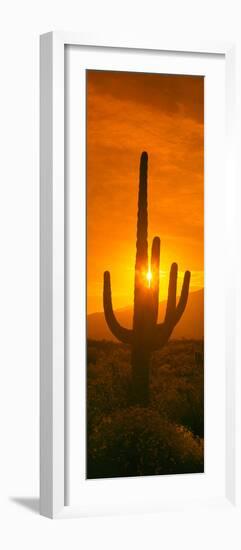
184,296
155,266
161,335
121,333
172,291
174,313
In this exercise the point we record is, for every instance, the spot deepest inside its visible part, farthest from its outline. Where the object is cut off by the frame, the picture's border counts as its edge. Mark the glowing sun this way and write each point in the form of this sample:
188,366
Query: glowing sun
149,277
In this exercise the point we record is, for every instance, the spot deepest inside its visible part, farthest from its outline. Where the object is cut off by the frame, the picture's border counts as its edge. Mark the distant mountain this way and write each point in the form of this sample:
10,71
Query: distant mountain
190,326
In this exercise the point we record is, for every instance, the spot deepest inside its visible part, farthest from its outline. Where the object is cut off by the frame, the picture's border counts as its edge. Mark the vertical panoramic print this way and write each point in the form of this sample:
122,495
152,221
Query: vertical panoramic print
145,274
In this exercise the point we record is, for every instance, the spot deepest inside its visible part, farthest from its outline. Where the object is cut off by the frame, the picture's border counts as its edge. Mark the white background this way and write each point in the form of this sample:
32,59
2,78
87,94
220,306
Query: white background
20,24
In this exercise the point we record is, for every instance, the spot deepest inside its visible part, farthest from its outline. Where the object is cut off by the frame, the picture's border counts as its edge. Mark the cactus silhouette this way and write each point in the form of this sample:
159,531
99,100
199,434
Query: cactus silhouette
146,335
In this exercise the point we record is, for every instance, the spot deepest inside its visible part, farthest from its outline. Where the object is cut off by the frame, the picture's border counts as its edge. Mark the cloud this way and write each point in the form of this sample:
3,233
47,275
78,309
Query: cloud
126,114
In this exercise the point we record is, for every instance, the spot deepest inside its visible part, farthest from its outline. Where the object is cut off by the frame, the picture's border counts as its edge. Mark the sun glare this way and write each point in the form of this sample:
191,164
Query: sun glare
149,277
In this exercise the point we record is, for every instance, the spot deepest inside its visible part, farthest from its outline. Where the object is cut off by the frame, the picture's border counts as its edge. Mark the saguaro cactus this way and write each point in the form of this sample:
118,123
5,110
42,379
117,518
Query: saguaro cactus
146,335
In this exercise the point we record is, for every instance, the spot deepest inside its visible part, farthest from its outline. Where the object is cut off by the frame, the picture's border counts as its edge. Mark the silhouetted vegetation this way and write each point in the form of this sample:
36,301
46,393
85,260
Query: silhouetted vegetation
164,438
147,335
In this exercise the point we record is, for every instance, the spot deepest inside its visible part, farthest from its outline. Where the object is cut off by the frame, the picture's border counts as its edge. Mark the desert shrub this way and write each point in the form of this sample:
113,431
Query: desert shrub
177,386
127,441
138,441
92,355
108,387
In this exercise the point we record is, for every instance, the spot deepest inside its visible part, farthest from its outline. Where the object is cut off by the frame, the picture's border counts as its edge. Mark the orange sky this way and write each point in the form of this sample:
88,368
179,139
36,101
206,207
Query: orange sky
128,113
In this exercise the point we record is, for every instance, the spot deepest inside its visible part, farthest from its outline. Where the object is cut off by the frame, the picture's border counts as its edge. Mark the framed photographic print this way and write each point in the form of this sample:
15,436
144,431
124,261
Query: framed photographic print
138,361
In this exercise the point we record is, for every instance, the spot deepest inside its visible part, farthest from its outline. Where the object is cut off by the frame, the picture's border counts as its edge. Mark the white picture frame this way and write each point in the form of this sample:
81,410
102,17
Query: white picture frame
52,261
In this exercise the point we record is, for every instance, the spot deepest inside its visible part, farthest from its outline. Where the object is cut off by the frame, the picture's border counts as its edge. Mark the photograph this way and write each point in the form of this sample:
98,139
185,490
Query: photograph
145,274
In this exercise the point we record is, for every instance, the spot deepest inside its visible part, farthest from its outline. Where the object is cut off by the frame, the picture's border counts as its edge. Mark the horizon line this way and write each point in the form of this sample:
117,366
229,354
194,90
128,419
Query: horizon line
131,306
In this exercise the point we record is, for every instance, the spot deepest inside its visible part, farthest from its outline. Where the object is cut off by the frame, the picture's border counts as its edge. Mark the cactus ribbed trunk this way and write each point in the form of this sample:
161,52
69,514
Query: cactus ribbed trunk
146,335
140,356
140,362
